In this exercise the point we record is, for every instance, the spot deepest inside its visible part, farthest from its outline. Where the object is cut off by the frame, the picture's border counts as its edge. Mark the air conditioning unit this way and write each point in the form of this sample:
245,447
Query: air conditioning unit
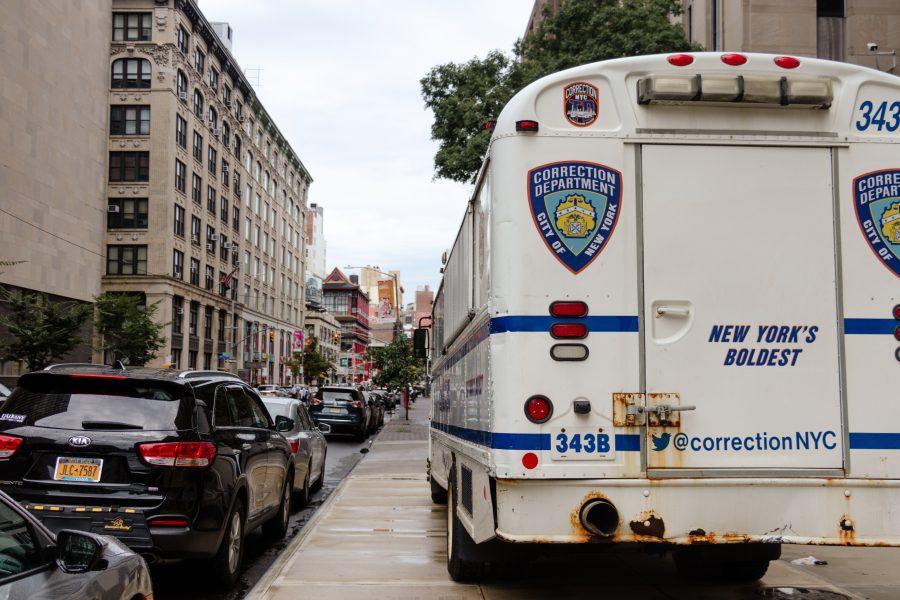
217,131
228,104
241,119
113,208
195,239
182,96
227,245
179,311
212,237
225,166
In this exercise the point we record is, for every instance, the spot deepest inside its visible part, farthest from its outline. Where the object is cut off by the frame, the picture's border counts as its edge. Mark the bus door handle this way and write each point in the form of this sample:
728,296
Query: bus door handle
675,311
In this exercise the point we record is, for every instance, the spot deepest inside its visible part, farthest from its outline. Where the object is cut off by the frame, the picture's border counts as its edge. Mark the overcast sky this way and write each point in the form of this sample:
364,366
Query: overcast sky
341,80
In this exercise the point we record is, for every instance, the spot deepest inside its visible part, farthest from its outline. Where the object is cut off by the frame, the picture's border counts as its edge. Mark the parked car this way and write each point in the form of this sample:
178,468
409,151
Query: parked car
308,445
376,404
390,402
173,464
344,409
267,390
36,563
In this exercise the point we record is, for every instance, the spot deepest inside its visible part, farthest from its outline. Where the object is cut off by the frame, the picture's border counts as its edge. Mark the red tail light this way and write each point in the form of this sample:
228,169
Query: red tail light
680,60
529,460
8,445
526,125
735,60
178,454
314,402
295,445
897,334
569,330
538,409
897,312
564,308
167,522
356,404
787,62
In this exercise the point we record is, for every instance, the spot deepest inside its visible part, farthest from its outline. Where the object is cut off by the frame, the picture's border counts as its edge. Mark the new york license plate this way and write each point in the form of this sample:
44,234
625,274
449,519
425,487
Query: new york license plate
333,411
78,469
582,444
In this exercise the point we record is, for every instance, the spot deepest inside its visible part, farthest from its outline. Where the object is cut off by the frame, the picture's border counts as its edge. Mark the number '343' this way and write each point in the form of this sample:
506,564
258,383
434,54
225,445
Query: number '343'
880,117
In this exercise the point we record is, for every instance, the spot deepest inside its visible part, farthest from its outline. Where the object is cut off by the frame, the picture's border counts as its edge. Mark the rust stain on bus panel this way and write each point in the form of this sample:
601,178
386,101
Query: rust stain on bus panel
648,524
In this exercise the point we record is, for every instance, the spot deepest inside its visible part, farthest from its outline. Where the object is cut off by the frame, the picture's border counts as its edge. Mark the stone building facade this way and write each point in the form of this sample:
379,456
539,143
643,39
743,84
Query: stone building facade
53,125
206,198
349,303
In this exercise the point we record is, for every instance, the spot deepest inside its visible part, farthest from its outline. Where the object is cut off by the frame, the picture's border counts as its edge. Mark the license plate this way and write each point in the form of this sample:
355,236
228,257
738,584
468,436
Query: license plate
333,411
582,444
78,469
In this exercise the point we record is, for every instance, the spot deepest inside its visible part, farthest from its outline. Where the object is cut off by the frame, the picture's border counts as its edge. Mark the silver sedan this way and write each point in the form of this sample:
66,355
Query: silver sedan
307,441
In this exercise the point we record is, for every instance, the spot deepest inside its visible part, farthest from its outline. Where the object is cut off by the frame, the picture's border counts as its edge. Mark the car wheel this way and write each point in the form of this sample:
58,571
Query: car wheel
301,498
276,527
227,561
321,480
361,434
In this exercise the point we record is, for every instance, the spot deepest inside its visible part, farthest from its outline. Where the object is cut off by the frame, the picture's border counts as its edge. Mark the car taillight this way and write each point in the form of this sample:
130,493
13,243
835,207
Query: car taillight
564,308
8,445
356,404
314,402
178,454
167,522
569,330
295,445
538,409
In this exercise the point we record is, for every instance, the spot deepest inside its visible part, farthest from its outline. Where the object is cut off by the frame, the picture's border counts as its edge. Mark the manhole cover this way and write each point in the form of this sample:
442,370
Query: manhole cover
797,593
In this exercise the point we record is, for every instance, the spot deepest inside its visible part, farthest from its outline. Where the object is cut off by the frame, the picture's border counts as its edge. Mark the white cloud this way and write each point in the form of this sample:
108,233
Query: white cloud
341,80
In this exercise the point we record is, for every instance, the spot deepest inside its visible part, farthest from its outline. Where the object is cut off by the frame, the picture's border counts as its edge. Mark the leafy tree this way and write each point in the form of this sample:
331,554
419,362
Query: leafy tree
40,330
464,96
396,365
126,328
314,364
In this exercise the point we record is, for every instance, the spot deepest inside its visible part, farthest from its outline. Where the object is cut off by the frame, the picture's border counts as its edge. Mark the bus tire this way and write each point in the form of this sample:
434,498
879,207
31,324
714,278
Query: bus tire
438,494
465,562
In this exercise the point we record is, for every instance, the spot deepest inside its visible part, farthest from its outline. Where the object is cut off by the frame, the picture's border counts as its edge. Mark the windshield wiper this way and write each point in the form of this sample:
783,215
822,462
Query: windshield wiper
108,425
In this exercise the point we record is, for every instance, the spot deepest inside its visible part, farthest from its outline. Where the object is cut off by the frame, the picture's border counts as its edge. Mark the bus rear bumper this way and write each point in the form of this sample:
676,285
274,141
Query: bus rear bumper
826,511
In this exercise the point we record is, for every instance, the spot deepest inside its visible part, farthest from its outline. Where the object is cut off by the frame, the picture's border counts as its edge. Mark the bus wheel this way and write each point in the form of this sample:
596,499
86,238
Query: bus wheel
463,562
438,494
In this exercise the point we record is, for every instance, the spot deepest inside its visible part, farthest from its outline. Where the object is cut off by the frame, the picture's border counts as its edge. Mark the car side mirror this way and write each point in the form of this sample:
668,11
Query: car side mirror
78,552
324,428
283,423
420,343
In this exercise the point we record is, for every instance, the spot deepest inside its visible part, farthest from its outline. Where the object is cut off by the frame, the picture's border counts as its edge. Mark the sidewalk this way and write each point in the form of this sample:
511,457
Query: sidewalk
379,536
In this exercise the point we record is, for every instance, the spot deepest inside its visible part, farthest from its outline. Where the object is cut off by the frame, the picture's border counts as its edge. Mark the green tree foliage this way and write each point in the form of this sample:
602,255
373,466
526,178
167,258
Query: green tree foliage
40,331
396,365
314,363
126,328
464,96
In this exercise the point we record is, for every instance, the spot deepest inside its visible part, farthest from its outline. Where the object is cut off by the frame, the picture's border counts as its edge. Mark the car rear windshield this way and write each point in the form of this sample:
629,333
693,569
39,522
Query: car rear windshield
337,395
277,409
87,404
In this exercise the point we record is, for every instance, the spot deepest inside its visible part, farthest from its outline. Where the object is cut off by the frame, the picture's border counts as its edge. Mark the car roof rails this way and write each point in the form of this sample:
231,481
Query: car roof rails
63,366
191,374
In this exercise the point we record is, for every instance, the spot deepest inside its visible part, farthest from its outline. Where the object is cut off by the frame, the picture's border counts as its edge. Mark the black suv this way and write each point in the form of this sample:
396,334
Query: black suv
178,465
345,409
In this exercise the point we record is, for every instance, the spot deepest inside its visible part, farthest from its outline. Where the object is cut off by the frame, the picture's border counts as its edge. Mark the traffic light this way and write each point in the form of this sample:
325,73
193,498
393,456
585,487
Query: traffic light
271,335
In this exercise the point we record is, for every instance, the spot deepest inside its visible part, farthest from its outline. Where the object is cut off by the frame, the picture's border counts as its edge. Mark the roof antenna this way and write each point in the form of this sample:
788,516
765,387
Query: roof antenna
119,366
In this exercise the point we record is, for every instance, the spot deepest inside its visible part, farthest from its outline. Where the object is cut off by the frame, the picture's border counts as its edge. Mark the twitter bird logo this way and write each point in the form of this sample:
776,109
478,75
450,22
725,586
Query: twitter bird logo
661,442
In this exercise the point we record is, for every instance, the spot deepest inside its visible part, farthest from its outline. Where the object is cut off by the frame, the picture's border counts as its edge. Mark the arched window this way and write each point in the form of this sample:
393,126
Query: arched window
198,104
226,133
213,117
237,145
131,73
256,170
181,85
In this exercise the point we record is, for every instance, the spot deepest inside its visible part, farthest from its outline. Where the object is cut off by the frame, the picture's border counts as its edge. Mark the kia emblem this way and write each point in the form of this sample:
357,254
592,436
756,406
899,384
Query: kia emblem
80,440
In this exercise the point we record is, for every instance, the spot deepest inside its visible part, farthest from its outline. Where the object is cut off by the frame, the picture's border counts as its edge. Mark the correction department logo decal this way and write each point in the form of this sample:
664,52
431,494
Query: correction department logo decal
575,206
580,103
876,198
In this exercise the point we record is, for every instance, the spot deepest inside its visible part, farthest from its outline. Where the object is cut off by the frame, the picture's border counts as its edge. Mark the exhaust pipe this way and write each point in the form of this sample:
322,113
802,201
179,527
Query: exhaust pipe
599,517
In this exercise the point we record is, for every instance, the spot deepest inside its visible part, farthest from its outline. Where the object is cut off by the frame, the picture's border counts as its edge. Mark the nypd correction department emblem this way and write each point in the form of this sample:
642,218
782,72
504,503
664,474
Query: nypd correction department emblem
876,198
575,206
580,103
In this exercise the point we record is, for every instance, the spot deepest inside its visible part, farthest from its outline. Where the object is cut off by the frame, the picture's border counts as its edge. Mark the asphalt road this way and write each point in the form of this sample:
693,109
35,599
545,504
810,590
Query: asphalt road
185,580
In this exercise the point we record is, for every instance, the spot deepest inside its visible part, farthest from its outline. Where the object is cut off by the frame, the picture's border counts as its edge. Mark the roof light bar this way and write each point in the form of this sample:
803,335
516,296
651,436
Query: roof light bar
680,60
735,91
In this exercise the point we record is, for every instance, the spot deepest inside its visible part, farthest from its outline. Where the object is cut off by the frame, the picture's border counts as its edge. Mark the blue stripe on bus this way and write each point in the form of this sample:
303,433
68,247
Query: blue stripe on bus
598,323
874,441
625,442
870,326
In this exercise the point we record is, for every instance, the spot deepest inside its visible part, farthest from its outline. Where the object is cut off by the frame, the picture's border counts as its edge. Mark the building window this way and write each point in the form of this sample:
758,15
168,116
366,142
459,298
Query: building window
177,314
131,73
213,79
129,166
180,171
207,323
225,169
193,317
129,213
223,210
211,199
210,277
181,131
213,117
177,264
237,146
131,27
198,104
126,260
212,159
197,149
199,60
830,8
226,95
129,120
223,287
192,359
221,333
181,86
207,361
176,358
195,231
235,218
223,248
194,273
196,184
179,221
226,134
182,38
211,239
235,252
